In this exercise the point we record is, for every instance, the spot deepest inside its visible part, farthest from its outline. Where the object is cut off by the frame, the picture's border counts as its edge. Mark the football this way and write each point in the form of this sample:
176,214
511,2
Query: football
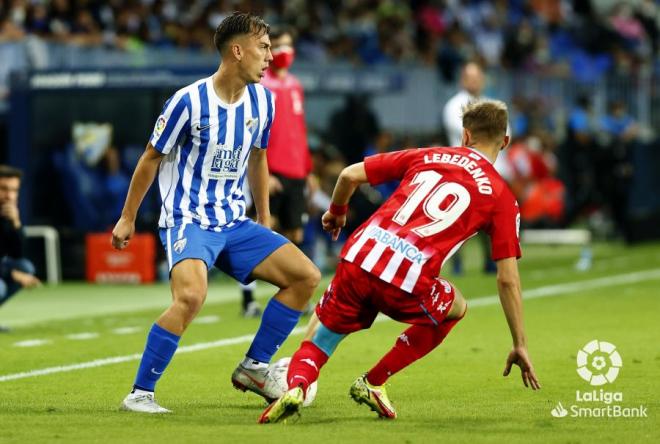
279,370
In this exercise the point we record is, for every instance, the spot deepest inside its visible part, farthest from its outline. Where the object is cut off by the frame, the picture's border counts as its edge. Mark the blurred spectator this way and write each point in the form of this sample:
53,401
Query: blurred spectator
455,50
519,44
16,271
114,183
472,85
580,159
647,13
353,128
327,165
581,126
10,30
383,143
289,160
629,27
623,133
539,194
92,177
618,124
489,39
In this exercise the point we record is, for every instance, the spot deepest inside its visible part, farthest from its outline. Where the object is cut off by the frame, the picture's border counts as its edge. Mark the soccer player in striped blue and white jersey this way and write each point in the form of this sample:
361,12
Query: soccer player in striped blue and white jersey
209,137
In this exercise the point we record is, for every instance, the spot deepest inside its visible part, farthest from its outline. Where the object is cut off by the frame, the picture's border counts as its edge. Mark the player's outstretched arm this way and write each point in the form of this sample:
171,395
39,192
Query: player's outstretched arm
508,286
350,178
143,177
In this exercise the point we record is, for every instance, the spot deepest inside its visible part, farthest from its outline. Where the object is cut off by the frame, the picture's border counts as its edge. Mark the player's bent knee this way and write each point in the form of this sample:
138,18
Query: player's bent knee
189,307
307,275
314,276
190,298
312,281
458,307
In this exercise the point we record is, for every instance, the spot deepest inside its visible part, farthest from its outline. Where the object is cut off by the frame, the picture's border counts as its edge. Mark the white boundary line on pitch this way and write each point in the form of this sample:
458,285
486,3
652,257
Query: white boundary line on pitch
535,293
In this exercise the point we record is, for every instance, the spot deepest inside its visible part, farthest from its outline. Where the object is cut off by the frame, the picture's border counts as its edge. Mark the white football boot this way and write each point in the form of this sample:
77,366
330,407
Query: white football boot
142,402
260,381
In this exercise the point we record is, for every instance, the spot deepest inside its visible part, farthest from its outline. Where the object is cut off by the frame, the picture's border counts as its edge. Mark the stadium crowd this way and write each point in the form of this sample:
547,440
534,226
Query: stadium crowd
582,38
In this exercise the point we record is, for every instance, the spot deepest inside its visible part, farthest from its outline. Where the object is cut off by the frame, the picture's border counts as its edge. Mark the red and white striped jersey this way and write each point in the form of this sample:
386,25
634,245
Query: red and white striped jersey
446,196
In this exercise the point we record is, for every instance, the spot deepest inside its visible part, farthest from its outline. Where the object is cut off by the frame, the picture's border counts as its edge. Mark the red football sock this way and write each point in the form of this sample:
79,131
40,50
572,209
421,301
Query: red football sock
305,365
414,343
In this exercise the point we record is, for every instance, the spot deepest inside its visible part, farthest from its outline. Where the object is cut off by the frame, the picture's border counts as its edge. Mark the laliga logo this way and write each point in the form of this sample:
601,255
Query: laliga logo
598,362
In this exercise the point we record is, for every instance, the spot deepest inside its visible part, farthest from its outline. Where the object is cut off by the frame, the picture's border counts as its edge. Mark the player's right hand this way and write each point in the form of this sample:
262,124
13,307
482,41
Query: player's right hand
333,224
122,233
520,357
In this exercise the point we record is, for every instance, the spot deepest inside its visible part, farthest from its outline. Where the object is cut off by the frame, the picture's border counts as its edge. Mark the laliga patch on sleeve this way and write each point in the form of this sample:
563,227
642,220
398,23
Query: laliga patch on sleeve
160,125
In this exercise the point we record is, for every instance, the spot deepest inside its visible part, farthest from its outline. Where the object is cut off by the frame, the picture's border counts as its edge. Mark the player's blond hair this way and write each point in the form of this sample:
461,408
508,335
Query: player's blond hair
486,119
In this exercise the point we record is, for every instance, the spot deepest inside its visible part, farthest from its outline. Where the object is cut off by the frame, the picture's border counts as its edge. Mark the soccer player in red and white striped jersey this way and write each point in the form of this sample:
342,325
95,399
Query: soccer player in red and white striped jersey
391,264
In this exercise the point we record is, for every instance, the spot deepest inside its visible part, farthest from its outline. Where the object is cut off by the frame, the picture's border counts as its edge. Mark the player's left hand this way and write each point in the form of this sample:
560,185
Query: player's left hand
520,357
333,224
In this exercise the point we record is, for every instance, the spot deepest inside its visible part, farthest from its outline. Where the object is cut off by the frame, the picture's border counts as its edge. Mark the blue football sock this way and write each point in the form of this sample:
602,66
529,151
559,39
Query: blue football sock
276,324
161,345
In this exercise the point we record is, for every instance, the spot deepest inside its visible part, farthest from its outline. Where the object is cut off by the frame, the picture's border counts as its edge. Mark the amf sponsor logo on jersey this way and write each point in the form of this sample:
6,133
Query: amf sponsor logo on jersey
225,163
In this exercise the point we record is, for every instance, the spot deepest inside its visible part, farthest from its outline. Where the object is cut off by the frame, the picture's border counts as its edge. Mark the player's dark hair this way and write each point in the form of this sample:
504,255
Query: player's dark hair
238,23
486,119
10,172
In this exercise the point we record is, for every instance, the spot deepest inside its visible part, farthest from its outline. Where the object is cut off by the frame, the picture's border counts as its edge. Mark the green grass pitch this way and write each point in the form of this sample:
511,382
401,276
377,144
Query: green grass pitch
456,394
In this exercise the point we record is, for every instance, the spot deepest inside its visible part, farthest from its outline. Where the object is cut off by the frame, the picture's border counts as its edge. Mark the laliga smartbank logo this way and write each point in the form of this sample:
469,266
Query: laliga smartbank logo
598,363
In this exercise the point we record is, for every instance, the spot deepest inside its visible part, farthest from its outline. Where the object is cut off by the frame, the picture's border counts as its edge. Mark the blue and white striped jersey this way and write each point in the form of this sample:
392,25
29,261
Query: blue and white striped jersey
206,144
